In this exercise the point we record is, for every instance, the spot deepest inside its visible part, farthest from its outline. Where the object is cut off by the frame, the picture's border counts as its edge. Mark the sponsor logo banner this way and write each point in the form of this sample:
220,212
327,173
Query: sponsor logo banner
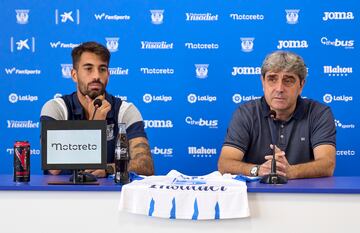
337,70
158,124
347,44
200,152
212,124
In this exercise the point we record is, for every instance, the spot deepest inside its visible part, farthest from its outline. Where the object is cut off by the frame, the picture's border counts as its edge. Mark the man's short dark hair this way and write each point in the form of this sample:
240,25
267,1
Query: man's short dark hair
91,47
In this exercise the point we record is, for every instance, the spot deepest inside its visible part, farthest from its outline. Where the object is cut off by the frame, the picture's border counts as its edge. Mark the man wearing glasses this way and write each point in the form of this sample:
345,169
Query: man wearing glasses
304,130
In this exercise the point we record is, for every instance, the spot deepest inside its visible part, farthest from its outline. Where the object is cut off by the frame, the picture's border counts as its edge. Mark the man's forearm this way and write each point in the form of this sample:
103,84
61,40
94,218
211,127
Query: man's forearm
234,167
141,161
317,168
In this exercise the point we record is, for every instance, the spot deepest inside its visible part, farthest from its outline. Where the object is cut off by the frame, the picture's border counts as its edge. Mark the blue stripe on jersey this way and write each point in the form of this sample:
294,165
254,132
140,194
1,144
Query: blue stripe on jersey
217,211
196,210
173,209
151,207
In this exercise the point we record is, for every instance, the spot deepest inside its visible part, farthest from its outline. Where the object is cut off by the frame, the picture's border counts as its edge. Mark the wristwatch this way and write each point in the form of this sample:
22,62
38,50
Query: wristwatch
255,170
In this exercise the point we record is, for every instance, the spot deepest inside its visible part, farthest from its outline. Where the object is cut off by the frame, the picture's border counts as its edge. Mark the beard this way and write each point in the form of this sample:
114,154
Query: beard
92,93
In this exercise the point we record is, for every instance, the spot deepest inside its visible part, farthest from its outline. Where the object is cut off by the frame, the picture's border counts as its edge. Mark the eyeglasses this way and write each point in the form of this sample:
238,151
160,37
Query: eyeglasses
286,81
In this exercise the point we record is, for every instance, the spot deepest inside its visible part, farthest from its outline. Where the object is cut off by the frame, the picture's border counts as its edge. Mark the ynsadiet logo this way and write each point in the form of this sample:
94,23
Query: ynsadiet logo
12,124
347,44
14,98
338,16
201,17
148,98
201,122
193,98
246,70
343,126
156,45
328,98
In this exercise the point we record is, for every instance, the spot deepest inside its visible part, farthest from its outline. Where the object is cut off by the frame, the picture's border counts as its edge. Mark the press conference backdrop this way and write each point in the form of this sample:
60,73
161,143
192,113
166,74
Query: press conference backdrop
186,65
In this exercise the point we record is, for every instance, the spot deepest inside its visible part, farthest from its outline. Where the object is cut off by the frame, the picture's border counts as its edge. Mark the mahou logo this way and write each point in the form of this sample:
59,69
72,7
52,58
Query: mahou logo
337,70
201,151
296,44
338,16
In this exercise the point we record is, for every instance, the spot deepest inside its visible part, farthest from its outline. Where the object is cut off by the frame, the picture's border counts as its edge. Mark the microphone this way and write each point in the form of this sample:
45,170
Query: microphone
97,104
273,178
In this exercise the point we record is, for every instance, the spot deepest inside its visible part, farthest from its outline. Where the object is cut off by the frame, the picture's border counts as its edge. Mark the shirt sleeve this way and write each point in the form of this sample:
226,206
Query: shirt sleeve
54,109
323,130
238,132
133,120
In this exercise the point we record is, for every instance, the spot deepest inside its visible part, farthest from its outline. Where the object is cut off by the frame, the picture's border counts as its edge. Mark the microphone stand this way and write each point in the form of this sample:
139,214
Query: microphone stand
273,177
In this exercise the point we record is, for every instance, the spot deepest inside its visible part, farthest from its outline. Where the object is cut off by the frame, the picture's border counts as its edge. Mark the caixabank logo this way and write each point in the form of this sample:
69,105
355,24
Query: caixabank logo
201,152
343,125
163,152
338,15
201,122
67,17
22,44
15,98
329,98
337,71
245,70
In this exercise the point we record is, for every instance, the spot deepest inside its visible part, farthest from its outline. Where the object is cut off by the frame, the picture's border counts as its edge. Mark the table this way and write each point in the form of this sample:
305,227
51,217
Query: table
305,205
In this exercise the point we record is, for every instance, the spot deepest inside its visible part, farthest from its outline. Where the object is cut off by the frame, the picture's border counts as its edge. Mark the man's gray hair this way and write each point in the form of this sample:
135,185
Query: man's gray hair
284,61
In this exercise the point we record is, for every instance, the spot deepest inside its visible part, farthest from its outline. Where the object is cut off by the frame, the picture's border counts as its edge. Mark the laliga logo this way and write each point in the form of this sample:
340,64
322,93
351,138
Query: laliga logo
247,44
192,98
292,16
147,98
201,70
327,98
13,98
22,16
157,16
66,70
112,43
236,98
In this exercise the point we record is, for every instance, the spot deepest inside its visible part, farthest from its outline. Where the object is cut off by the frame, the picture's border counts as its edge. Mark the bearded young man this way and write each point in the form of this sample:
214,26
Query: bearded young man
91,74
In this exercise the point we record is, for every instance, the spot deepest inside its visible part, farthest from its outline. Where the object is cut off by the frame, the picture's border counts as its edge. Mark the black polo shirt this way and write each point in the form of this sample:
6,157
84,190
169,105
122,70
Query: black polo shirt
311,125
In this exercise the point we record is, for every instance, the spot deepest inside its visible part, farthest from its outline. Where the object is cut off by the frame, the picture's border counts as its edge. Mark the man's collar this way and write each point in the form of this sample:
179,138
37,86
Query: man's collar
298,113
79,110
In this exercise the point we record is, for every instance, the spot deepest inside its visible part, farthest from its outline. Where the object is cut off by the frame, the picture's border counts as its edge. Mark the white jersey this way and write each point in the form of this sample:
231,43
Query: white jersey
177,196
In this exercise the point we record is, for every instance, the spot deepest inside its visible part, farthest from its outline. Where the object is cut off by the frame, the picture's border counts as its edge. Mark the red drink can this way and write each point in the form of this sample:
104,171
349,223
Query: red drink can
22,161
